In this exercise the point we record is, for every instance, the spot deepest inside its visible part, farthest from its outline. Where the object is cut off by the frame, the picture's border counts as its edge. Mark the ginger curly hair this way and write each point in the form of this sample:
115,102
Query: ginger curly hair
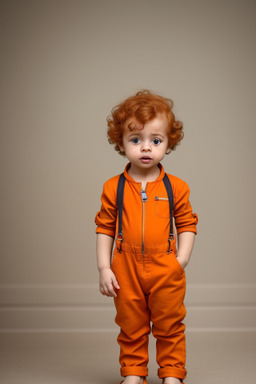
140,109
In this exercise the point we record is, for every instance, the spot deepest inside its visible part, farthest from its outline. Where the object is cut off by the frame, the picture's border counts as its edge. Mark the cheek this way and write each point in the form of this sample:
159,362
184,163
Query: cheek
162,151
130,151
131,148
166,146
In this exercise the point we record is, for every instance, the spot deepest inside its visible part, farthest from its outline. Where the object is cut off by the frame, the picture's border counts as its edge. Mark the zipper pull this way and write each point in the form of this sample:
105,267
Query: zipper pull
143,196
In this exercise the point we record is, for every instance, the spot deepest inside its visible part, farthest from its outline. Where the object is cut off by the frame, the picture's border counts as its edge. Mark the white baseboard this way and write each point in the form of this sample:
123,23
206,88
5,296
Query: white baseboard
42,308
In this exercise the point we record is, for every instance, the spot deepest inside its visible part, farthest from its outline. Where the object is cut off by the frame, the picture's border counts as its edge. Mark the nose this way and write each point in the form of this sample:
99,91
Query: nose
146,147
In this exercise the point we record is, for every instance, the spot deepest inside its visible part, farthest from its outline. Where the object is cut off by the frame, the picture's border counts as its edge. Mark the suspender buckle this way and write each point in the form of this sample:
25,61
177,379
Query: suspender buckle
119,240
171,237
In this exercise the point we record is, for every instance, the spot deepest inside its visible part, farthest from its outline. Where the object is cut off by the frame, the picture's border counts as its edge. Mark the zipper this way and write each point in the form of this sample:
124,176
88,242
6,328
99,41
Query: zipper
144,198
157,198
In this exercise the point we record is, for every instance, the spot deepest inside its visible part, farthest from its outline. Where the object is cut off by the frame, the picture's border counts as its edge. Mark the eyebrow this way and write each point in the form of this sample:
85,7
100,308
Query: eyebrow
134,134
137,133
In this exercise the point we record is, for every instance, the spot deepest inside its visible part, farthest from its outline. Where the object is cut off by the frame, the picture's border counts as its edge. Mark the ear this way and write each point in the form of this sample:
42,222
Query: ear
168,151
121,148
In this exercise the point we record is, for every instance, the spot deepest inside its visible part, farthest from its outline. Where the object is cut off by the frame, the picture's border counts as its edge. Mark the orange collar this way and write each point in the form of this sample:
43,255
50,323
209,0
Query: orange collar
130,179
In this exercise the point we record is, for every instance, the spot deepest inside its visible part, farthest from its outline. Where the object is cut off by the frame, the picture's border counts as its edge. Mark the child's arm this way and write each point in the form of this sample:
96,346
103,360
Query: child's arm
185,246
107,279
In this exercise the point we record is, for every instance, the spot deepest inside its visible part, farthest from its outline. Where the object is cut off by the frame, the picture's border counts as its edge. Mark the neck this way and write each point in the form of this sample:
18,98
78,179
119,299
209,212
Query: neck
143,175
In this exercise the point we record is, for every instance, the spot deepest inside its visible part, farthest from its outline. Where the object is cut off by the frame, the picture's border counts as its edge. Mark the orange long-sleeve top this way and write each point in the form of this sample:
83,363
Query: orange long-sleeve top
146,222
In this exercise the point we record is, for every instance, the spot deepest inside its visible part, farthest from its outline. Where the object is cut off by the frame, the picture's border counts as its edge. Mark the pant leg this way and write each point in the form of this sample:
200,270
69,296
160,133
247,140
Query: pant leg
167,313
132,316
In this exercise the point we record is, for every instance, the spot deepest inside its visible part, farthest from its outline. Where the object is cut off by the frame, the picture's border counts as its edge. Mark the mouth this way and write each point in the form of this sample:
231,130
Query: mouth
145,159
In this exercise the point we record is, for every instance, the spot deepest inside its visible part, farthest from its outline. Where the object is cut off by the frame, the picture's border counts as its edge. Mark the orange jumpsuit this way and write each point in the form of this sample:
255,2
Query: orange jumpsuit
152,282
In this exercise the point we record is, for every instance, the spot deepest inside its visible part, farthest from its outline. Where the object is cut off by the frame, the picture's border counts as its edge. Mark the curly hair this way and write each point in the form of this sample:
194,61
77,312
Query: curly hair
140,109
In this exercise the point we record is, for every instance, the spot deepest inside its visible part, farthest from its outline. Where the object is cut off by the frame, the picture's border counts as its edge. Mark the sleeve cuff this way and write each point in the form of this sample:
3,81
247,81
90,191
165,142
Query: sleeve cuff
191,228
105,231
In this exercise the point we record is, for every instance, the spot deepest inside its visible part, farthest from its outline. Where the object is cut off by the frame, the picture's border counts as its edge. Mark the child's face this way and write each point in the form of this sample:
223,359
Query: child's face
146,147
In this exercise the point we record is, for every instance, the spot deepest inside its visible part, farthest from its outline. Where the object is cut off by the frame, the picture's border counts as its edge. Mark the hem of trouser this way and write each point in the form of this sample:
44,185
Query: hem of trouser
134,370
179,373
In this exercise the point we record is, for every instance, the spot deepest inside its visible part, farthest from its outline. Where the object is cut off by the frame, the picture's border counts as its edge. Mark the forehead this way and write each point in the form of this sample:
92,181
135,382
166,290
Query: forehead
159,124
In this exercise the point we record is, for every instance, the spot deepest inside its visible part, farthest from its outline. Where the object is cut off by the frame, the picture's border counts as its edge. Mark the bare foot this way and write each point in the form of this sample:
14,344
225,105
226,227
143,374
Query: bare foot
171,380
133,380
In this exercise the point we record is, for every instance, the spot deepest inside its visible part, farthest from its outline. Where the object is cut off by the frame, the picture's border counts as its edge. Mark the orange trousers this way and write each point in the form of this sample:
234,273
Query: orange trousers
152,290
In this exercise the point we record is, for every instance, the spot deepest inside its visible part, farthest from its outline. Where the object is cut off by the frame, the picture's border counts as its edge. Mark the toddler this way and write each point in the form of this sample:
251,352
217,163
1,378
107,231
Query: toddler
139,210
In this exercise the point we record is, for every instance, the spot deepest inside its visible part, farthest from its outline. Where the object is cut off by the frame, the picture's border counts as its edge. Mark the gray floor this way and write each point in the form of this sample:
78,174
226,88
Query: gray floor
75,358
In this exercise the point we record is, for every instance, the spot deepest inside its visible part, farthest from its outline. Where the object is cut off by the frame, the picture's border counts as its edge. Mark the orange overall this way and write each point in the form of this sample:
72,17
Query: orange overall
152,281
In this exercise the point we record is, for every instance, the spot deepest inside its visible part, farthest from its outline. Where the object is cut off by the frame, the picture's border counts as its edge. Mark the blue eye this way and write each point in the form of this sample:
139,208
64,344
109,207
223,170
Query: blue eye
135,140
157,141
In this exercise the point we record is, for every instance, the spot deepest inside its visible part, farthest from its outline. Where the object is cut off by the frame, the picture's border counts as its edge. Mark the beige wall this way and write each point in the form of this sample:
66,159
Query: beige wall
64,65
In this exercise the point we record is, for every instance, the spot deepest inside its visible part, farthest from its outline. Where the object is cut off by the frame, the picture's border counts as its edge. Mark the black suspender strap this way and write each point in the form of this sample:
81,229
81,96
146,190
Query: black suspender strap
168,187
120,203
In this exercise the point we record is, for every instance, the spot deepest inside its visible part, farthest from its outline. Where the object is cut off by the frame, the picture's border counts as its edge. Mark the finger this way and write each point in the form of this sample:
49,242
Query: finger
115,283
102,291
106,291
111,291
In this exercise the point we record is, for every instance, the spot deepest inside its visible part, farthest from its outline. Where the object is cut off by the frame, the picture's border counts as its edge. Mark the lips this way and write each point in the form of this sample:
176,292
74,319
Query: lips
145,159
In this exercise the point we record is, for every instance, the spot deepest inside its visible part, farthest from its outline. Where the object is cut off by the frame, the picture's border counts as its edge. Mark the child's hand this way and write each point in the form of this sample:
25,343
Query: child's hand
108,282
182,262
